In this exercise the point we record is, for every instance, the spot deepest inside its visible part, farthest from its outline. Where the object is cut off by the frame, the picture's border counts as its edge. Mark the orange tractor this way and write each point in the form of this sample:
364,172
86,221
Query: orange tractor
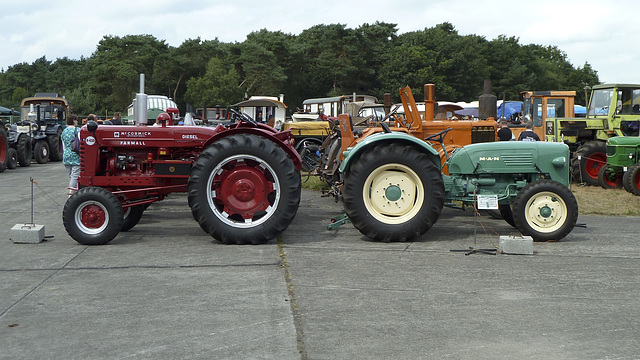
451,133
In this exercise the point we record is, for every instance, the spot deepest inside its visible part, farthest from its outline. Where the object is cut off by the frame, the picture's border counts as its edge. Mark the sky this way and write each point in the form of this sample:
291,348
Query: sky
602,33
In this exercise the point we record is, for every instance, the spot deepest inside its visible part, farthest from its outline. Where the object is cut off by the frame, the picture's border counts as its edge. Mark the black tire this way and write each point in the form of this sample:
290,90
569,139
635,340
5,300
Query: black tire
4,148
587,161
25,152
132,216
308,150
401,211
507,214
244,189
608,179
93,216
545,210
41,151
631,180
12,159
55,146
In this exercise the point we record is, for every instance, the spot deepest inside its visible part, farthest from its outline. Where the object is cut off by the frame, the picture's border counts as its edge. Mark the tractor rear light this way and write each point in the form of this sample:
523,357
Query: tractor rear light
163,151
149,156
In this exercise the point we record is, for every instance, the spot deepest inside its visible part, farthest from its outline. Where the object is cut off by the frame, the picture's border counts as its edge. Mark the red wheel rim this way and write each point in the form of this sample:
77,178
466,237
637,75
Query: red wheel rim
593,164
93,216
613,180
244,190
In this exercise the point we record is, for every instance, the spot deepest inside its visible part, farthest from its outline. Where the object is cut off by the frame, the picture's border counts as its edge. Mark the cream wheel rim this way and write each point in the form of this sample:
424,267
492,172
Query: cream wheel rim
546,212
393,193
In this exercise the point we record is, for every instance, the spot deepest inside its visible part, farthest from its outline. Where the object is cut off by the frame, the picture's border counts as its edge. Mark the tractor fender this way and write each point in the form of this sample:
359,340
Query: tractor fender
277,137
52,129
396,137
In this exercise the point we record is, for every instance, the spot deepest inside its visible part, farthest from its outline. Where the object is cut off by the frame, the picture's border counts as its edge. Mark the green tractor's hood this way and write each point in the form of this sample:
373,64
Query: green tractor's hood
513,157
624,141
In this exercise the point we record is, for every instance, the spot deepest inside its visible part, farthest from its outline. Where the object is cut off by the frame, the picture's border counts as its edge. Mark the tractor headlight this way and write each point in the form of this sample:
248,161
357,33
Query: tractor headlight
559,162
35,127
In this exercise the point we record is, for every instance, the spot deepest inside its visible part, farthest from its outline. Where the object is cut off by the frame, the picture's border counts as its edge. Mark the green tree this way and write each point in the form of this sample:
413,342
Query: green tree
116,65
173,68
19,94
219,86
262,75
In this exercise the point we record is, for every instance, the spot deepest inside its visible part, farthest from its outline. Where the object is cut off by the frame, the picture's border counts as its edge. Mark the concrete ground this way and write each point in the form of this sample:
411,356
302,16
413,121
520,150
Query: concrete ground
167,290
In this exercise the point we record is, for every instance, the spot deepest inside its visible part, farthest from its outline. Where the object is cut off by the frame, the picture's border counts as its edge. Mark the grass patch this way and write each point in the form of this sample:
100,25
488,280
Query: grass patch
594,200
313,183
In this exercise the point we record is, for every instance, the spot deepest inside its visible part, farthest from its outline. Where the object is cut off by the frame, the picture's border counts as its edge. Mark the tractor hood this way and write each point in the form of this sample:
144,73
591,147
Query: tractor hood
624,141
513,157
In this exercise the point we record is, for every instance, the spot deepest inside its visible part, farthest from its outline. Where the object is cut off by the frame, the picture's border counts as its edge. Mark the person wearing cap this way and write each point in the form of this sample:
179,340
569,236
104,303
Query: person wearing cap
504,134
528,134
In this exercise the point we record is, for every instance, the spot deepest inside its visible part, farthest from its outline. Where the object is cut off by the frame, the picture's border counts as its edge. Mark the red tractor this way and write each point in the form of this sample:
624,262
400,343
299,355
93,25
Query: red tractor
242,180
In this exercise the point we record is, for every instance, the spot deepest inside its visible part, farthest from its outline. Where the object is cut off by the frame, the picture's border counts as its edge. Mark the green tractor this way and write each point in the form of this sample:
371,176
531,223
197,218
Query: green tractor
612,110
623,164
393,188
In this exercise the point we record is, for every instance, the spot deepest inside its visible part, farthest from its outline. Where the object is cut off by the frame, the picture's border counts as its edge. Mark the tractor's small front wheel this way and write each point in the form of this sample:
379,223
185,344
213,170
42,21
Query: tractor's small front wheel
24,150
609,179
93,216
631,180
545,210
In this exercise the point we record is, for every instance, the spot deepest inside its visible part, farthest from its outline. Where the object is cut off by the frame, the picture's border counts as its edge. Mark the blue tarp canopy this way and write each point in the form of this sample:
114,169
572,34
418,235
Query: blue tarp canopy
510,108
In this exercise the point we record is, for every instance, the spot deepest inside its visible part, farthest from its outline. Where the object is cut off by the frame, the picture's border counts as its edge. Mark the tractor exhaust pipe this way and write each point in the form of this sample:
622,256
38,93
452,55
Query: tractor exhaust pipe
140,107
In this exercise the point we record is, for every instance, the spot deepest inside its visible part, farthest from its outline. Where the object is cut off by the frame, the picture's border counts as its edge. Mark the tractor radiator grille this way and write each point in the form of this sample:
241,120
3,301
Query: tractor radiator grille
480,134
518,160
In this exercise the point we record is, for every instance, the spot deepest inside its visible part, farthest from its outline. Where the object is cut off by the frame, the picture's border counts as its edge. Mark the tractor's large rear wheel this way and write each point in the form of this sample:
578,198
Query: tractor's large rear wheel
25,152
4,148
93,216
132,216
587,161
393,192
545,210
244,189
41,151
55,146
631,180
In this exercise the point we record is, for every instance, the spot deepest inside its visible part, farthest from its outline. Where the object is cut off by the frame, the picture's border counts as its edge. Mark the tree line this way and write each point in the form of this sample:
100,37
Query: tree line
323,60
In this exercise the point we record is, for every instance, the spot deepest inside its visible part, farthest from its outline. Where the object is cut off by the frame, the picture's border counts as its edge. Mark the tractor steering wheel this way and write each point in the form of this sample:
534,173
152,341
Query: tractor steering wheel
440,135
243,117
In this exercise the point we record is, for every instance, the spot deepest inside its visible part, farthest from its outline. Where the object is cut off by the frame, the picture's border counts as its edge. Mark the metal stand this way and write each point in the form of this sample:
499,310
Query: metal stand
473,249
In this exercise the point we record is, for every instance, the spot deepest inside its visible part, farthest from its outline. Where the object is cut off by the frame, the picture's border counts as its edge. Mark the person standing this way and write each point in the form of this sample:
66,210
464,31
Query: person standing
116,119
71,159
528,134
504,134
